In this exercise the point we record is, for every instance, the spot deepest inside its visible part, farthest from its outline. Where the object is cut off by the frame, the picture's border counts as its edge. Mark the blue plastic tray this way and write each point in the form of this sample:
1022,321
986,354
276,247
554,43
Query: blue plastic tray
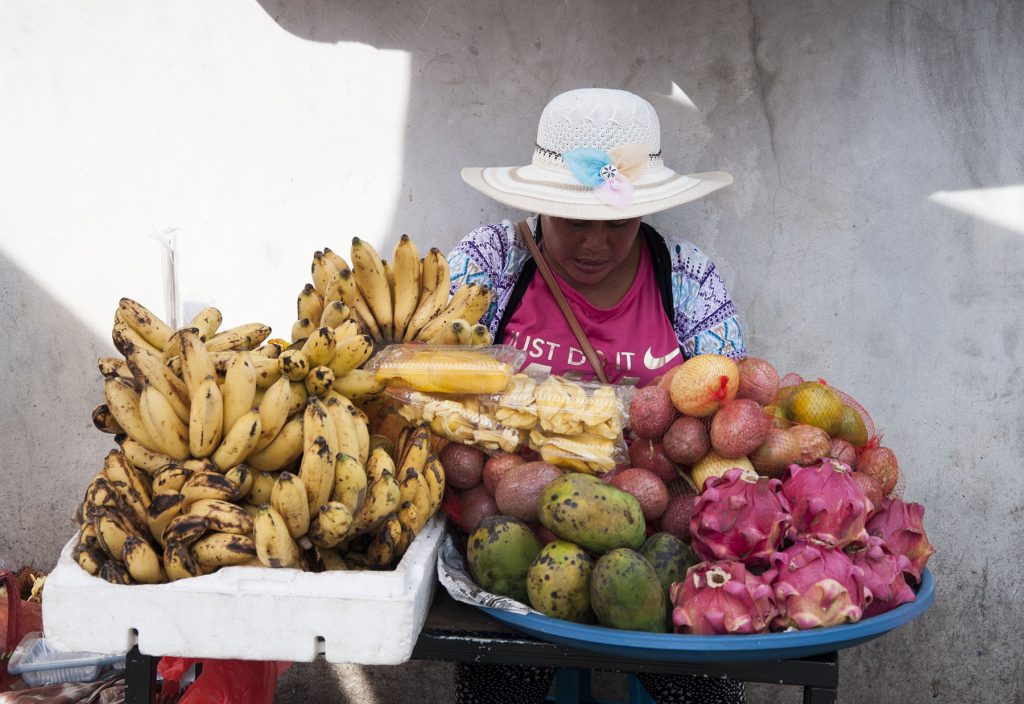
686,648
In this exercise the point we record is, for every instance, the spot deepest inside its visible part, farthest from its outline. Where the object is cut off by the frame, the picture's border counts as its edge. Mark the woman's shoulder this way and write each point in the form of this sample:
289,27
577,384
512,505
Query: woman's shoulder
688,259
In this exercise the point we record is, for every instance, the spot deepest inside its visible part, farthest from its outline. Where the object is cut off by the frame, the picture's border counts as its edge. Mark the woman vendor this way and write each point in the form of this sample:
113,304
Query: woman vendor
585,288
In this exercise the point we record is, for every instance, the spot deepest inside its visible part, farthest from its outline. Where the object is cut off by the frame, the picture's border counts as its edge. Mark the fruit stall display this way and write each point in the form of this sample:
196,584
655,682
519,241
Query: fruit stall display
237,449
719,500
749,504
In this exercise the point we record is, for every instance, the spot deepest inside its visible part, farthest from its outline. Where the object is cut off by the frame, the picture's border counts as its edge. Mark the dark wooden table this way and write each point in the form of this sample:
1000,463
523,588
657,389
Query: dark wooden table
455,632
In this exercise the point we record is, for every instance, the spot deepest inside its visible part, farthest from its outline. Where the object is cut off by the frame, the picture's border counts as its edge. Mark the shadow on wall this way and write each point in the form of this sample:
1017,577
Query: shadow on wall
49,384
482,73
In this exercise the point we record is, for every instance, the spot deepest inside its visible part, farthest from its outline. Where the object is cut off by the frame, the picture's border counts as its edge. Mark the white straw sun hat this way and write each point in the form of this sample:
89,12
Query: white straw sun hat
597,157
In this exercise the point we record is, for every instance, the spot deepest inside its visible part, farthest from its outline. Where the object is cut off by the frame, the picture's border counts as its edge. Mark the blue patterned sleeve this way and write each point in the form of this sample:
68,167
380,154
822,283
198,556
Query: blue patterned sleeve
480,259
706,319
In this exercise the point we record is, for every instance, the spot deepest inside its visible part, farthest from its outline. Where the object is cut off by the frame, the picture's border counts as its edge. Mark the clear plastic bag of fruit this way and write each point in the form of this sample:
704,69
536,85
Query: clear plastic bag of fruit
555,405
447,369
583,452
458,417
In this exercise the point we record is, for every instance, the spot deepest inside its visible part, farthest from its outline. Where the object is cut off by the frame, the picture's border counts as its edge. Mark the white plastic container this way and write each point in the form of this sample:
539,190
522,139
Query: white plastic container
39,664
250,613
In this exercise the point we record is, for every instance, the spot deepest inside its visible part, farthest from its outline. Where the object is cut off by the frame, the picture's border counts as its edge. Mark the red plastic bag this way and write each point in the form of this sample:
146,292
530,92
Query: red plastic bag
17,618
222,681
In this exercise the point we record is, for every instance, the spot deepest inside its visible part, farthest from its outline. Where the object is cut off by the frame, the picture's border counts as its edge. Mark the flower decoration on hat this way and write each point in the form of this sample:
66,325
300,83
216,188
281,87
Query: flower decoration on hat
609,173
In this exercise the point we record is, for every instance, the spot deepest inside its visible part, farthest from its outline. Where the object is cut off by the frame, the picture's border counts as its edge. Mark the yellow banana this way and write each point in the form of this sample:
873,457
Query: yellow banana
151,371
406,272
309,304
238,442
382,498
196,362
170,479
112,529
319,346
339,262
299,397
408,515
335,313
317,422
164,509
143,458
89,558
379,464
267,370
208,485
433,472
479,335
104,420
179,563
358,384
469,303
435,285
330,524
349,482
345,330
447,335
339,410
294,364
373,283
142,561
317,472
239,389
323,270
301,329
100,492
242,337
206,322
463,332
196,464
113,366
290,501
350,353
414,454
115,572
319,380
357,304
162,424
123,401
275,546
262,485
273,410
223,516
206,419
241,477
271,349
117,467
362,435
382,550
223,550
284,449
144,322
125,339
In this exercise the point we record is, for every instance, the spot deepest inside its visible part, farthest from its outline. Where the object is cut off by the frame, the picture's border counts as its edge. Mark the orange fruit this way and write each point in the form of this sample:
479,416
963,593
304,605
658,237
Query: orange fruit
813,403
703,383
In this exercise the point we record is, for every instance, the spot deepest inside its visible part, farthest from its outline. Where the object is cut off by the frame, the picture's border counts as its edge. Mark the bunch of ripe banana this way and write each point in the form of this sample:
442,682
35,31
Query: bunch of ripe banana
188,407
405,299
568,426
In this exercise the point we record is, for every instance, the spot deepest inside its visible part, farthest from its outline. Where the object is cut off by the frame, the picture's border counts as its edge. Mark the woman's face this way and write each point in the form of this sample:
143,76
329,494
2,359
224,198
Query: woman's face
587,251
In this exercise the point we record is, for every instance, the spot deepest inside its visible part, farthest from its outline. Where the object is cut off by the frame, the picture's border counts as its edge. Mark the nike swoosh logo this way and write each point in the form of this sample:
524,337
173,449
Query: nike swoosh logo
652,362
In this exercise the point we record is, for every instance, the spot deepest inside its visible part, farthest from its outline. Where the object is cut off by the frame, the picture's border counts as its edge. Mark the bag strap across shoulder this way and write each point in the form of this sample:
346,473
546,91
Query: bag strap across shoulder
563,305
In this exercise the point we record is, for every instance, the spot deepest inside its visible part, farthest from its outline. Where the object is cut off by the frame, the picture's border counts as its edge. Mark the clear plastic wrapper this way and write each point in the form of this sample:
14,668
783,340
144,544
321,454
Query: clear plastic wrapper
458,417
584,452
447,369
559,406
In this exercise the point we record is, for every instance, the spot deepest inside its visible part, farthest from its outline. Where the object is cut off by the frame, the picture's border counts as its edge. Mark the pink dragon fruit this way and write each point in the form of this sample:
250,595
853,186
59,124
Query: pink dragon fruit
720,598
740,516
816,586
829,508
883,577
901,526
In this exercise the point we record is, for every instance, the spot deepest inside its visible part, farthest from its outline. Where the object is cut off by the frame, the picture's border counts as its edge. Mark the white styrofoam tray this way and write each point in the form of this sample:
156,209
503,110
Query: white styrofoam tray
250,613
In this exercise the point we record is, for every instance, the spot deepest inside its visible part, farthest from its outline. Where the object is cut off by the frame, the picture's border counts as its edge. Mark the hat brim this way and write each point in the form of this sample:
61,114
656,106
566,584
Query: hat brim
549,192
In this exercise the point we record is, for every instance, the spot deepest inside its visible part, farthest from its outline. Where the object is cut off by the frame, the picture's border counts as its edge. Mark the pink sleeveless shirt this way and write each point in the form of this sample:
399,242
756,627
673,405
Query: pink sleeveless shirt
634,337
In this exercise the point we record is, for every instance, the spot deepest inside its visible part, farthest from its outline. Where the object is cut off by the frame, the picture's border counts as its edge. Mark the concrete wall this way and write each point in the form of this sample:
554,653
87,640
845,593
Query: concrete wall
874,235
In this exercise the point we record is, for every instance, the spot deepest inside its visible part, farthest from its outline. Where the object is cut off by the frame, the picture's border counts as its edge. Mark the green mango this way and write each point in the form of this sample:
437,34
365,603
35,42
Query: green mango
559,582
596,516
499,553
625,593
